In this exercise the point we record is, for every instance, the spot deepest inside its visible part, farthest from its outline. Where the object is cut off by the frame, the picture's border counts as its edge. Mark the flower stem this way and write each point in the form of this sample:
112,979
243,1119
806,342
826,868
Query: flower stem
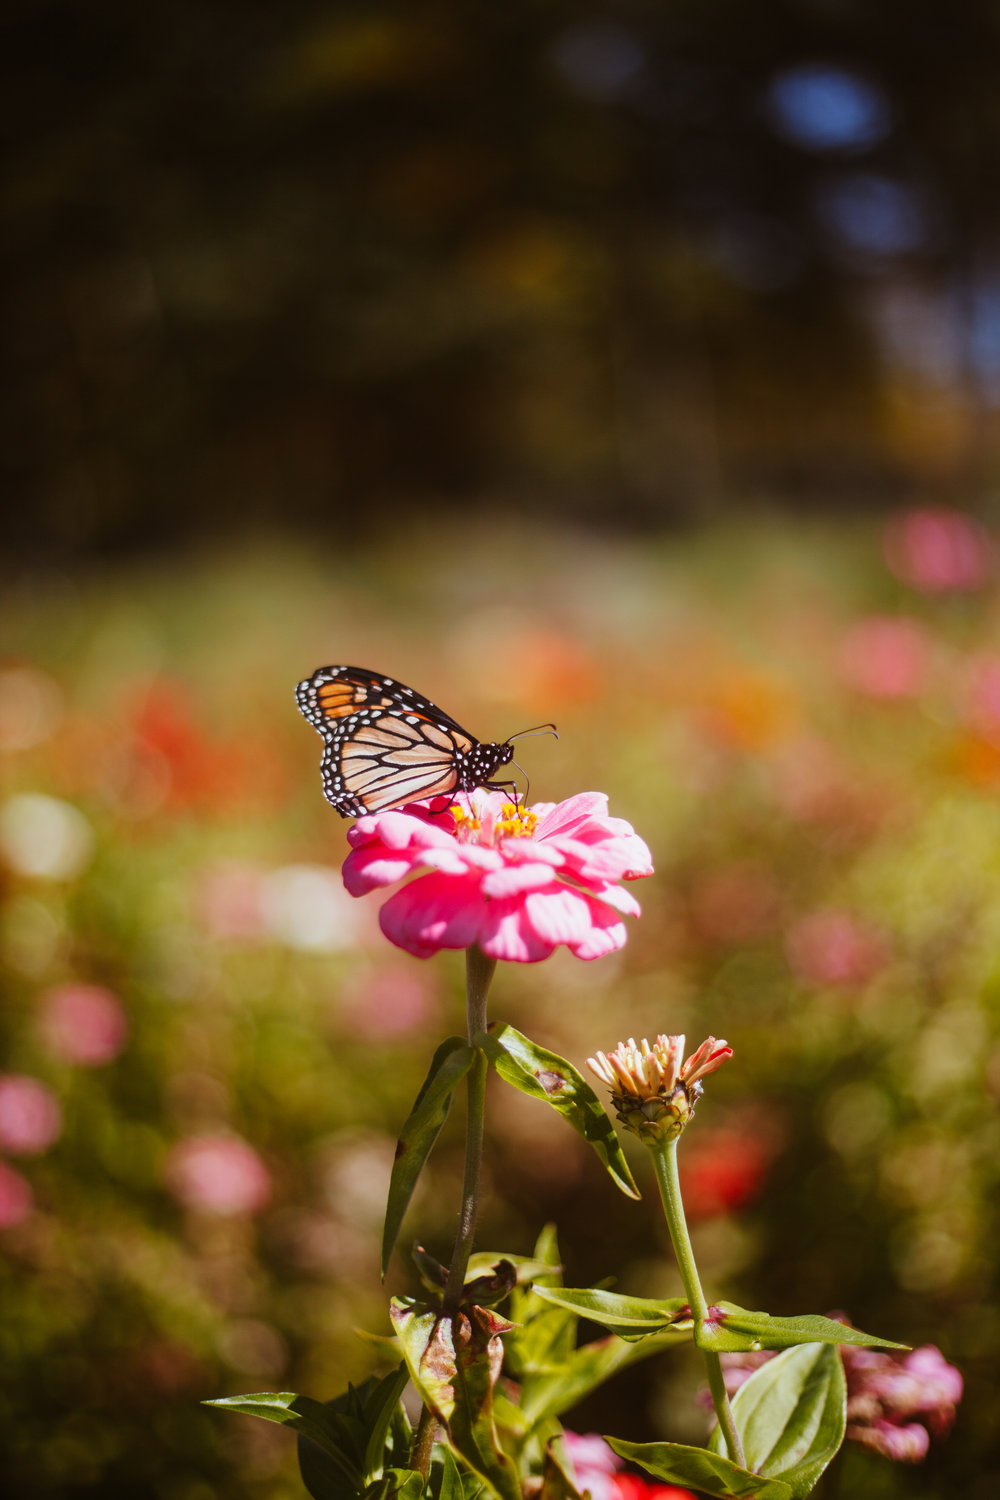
665,1157
423,1442
478,973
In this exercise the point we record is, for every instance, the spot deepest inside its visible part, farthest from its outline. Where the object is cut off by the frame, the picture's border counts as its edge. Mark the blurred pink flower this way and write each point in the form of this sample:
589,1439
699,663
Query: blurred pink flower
594,1463
894,1401
886,657
16,1197
516,881
387,1002
30,1117
218,1174
836,948
83,1024
938,550
596,1467
230,898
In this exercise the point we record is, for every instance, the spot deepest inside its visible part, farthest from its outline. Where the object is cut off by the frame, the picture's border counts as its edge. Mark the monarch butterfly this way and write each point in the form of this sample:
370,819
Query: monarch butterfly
386,745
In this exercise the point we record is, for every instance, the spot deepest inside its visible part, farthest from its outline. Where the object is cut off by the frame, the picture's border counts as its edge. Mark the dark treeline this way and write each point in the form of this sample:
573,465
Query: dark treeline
309,262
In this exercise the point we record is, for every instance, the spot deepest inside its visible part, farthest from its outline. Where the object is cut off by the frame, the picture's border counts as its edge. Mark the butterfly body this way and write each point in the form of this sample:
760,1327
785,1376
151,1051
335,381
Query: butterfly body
386,745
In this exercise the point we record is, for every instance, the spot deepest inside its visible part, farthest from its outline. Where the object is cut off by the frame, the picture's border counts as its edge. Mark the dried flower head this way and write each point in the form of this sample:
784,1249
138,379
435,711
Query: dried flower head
652,1090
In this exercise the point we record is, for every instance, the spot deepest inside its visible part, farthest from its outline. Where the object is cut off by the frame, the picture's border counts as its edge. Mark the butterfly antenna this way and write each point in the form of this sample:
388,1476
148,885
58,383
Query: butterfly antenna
536,729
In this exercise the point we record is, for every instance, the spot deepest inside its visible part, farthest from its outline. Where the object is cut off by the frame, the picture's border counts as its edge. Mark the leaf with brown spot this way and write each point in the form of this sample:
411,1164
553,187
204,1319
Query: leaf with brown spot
545,1075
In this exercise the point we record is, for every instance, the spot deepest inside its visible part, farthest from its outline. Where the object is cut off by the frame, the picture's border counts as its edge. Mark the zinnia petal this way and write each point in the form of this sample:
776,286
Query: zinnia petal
436,911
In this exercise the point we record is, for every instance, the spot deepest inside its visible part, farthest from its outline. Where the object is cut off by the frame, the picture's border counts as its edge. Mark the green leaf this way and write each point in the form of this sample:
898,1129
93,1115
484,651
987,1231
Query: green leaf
700,1469
449,1482
628,1317
362,1416
549,1395
380,1407
791,1415
396,1484
450,1063
741,1331
306,1416
526,1266
545,1075
524,1304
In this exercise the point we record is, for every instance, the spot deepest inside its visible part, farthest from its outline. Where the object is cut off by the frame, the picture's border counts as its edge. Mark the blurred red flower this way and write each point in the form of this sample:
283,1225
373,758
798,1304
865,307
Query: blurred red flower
723,1170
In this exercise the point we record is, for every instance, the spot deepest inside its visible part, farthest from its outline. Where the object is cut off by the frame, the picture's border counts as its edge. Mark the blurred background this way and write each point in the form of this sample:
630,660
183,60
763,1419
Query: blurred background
631,365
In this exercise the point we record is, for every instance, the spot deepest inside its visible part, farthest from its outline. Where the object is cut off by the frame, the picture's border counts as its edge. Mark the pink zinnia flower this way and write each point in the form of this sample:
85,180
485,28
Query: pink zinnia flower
515,881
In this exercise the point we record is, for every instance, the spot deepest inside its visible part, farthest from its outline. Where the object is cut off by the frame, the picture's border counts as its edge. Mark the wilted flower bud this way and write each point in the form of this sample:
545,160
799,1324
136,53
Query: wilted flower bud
653,1092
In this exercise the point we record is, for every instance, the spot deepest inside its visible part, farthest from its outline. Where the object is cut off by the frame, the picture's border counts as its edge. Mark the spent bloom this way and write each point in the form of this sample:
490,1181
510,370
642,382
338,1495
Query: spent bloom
652,1090
517,881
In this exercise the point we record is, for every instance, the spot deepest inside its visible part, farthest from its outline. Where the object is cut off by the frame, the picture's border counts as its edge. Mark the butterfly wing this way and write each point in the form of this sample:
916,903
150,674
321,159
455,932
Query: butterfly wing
385,744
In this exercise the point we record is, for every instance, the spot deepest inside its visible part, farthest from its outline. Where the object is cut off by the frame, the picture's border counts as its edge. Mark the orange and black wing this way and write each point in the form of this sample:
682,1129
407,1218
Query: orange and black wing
385,744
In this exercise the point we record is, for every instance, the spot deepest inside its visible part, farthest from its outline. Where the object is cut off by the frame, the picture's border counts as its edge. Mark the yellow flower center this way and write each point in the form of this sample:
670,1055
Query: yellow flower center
514,822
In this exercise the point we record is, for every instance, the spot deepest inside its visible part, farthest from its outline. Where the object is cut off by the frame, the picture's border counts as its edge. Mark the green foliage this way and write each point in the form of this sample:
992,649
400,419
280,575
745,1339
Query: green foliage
791,1416
542,1074
709,1473
450,1064
733,1330
344,1445
740,1330
629,1317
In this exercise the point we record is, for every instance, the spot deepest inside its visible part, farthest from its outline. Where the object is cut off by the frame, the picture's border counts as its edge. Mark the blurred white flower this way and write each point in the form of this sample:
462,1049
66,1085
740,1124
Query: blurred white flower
306,906
45,837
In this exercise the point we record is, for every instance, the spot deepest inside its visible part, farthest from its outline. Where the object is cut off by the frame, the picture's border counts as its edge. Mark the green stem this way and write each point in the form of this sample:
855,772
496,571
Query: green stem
478,973
423,1442
665,1157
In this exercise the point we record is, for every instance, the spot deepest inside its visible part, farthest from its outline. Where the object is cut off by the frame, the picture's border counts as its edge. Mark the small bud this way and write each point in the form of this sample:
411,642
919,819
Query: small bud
653,1092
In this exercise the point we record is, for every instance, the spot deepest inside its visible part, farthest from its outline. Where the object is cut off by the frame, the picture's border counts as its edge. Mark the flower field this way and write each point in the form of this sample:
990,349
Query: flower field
209,1046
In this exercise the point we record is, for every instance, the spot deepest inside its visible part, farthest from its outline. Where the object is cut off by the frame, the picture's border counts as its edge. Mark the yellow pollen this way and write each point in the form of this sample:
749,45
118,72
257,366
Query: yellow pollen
467,825
516,822
513,822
